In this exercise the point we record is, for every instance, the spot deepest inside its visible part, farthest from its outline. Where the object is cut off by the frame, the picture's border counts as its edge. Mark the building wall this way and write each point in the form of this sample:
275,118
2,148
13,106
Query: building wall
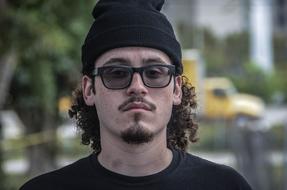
222,16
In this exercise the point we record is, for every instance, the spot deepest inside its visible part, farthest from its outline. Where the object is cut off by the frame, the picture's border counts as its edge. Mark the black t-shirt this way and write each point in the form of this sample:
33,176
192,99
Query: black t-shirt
186,171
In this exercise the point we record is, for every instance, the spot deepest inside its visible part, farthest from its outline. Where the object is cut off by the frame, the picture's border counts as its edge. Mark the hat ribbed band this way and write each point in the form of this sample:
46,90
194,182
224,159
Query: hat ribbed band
126,36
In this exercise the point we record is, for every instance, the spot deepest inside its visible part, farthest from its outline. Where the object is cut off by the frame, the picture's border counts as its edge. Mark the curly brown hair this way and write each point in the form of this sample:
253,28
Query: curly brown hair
181,127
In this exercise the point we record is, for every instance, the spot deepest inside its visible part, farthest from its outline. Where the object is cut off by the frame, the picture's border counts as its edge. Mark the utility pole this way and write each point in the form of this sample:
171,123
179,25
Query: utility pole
261,34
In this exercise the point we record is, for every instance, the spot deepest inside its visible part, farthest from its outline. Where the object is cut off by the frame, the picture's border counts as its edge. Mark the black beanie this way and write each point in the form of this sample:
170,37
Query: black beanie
123,23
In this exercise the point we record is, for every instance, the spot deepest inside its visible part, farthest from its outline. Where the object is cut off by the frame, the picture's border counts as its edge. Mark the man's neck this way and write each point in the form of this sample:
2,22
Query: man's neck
135,160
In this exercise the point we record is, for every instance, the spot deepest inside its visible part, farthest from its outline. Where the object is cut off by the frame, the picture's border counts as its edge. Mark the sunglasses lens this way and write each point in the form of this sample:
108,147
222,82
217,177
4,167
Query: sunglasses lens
116,77
156,76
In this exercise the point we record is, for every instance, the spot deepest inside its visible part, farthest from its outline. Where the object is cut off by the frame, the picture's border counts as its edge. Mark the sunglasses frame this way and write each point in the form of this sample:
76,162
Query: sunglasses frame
100,70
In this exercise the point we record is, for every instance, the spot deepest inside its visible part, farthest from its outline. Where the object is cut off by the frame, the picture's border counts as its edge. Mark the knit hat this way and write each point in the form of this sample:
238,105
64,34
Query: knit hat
123,23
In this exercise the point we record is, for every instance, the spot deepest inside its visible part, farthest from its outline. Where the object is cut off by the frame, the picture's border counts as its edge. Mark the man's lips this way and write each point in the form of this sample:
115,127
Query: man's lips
137,105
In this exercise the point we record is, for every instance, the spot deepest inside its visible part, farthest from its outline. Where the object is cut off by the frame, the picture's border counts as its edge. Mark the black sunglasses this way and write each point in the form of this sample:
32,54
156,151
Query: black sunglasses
120,77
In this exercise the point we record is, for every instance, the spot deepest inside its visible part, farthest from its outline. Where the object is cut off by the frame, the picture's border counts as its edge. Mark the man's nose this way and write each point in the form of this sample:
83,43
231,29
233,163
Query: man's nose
137,85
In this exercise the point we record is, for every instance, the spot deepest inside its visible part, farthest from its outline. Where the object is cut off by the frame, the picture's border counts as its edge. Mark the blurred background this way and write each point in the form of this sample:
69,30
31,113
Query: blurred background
234,53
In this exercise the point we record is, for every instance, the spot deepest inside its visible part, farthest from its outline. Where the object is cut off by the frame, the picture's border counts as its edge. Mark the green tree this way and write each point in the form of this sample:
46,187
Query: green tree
7,65
45,37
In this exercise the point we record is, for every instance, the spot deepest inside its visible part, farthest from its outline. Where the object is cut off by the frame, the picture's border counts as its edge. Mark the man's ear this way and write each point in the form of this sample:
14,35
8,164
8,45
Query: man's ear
87,88
177,93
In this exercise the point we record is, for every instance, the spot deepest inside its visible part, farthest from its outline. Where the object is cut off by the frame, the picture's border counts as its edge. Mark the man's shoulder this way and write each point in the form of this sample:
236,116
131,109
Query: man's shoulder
211,173
198,163
51,180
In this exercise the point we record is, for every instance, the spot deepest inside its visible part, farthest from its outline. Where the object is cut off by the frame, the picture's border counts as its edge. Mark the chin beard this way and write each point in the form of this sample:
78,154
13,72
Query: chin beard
137,135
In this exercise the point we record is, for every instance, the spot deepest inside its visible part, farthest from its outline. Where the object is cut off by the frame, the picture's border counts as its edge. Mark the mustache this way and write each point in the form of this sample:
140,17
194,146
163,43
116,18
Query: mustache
132,99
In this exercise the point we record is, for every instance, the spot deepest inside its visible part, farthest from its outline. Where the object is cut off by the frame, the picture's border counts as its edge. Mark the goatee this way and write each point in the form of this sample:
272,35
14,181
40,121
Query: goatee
137,134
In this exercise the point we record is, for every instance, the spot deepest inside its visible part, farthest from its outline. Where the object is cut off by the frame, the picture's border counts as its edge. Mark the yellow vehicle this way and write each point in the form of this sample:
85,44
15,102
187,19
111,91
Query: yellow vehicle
218,98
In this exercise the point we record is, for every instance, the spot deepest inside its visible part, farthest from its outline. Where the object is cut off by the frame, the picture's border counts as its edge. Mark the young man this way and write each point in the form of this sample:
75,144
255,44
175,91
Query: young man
135,109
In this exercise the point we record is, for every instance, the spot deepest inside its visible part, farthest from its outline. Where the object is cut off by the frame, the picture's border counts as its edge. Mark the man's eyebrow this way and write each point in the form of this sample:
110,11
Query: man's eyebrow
154,60
114,61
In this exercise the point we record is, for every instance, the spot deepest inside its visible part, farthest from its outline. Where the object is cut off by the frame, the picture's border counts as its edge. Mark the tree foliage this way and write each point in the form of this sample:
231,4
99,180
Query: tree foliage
230,56
46,38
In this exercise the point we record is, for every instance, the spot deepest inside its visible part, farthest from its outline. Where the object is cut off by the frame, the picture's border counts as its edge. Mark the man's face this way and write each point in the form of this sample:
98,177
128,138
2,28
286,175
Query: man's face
135,114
